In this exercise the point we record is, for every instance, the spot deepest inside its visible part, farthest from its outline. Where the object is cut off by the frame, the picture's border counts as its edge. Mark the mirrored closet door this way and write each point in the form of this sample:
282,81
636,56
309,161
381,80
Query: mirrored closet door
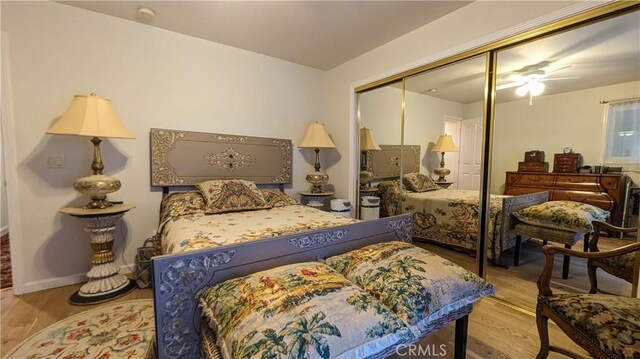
380,137
553,133
443,129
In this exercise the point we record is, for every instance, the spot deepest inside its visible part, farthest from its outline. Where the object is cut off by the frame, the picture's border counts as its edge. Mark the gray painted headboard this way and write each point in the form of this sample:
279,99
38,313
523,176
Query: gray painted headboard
185,158
385,164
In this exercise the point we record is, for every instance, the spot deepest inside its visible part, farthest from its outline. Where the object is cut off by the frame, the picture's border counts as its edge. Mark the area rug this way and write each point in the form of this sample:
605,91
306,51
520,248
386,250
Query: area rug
119,330
5,262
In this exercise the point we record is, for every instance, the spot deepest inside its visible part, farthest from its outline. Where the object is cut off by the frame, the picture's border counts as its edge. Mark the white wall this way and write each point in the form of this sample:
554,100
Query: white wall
155,78
456,32
572,119
381,111
4,213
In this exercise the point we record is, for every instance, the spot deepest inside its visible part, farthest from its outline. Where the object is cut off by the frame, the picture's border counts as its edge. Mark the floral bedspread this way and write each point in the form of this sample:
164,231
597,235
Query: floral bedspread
195,230
451,217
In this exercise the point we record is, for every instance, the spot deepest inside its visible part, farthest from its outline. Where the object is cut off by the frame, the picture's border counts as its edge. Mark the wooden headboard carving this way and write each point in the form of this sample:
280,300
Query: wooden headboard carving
184,158
385,164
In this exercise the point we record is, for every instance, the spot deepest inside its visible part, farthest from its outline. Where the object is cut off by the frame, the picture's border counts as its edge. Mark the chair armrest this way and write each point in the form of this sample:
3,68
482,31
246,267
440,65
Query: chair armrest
550,251
601,225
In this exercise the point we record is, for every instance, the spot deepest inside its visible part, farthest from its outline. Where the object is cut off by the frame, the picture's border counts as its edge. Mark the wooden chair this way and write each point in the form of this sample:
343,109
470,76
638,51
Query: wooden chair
619,266
606,326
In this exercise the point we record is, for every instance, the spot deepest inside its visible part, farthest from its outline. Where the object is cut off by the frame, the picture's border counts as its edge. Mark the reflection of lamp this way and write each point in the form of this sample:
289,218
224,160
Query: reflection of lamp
444,144
316,137
93,116
367,143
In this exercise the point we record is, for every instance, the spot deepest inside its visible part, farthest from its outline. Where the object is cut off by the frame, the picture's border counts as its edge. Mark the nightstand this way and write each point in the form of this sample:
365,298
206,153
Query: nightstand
444,184
105,281
316,200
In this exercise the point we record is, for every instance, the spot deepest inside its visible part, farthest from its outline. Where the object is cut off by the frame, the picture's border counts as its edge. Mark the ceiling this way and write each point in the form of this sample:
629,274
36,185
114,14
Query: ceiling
601,54
318,34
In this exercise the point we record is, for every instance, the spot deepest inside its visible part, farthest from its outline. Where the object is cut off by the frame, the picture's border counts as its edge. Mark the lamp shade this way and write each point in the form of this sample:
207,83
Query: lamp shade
367,143
316,137
445,144
90,116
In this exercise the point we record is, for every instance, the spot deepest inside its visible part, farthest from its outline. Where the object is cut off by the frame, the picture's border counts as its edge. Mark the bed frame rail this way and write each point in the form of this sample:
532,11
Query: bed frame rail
178,278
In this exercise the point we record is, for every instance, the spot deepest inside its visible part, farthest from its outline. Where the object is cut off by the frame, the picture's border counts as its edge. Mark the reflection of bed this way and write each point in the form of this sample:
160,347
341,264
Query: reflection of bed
450,217
184,159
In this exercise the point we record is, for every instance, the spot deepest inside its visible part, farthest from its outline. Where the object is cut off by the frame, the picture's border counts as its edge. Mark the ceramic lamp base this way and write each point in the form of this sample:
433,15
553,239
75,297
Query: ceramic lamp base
317,179
97,187
441,172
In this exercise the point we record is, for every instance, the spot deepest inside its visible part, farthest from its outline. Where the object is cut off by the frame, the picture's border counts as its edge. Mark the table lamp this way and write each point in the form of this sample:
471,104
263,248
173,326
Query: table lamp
316,137
367,143
95,117
444,144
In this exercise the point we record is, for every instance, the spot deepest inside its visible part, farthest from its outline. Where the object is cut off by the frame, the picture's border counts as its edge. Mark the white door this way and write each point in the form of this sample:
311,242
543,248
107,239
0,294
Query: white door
470,154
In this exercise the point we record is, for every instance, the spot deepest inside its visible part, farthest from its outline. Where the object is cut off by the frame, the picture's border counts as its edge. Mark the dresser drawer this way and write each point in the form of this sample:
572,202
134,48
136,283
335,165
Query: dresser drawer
578,182
597,199
533,167
534,179
610,182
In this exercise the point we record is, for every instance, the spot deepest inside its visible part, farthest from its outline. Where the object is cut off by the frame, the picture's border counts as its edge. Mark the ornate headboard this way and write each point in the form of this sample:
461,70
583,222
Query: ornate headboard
385,164
185,158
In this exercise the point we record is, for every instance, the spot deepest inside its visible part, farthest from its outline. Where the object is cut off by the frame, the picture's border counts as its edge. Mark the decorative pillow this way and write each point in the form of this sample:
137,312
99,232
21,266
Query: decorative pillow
417,285
563,215
231,196
181,204
277,198
302,310
418,182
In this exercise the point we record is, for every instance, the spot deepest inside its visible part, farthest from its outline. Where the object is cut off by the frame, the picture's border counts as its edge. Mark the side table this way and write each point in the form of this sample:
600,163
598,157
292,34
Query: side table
444,184
316,200
105,281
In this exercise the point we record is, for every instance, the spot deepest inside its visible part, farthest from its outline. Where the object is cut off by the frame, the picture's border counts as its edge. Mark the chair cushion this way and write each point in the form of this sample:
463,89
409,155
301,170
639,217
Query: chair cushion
223,196
419,286
302,310
418,182
563,215
611,322
623,263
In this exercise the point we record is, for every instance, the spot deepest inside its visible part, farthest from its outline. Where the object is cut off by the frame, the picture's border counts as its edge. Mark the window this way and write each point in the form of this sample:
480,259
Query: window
622,138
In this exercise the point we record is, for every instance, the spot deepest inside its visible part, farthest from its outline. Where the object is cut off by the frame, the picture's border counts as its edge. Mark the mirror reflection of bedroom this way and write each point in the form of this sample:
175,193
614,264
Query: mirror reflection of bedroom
442,190
560,127
380,120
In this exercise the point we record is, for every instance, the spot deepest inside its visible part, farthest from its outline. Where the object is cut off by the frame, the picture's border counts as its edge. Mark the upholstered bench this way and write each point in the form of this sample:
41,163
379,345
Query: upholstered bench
563,222
567,238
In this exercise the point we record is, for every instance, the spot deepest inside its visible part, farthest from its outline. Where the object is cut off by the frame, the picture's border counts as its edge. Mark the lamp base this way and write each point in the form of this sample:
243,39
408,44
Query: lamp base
97,187
317,179
365,178
441,172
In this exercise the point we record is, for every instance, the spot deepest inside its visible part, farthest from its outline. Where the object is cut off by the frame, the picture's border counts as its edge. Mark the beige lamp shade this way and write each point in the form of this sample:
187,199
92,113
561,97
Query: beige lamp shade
316,137
367,143
445,144
90,116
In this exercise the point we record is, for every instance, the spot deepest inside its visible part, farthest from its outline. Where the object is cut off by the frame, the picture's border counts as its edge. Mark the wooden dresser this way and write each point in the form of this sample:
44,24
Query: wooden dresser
602,190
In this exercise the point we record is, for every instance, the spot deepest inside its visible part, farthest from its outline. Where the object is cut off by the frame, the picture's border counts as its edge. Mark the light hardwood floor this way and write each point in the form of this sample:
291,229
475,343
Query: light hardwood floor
495,330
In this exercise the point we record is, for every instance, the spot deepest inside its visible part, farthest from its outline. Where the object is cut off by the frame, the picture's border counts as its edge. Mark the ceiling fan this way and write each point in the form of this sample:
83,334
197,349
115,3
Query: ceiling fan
529,79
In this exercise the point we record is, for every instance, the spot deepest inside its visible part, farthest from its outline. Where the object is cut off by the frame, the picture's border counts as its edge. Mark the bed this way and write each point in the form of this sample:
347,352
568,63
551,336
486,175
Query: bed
447,217
201,250
184,159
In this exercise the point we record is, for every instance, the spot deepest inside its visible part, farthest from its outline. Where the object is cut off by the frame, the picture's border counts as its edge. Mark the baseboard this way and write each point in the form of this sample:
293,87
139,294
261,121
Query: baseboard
39,285
4,230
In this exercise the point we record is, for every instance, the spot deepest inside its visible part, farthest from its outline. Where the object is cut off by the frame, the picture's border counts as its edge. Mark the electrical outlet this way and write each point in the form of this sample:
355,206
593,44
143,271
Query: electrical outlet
54,161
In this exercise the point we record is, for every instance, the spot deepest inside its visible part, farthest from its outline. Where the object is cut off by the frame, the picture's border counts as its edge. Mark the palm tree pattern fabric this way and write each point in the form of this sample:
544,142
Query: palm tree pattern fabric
304,310
417,285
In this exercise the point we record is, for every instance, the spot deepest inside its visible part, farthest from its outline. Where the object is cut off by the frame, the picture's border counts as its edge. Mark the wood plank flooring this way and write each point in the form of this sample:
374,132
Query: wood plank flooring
496,330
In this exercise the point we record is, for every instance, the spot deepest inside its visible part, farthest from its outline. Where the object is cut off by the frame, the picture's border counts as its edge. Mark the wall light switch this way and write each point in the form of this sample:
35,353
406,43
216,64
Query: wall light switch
54,161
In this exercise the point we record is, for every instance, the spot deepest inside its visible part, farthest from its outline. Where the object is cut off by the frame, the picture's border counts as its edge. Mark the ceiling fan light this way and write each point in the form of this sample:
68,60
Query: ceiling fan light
536,87
522,90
